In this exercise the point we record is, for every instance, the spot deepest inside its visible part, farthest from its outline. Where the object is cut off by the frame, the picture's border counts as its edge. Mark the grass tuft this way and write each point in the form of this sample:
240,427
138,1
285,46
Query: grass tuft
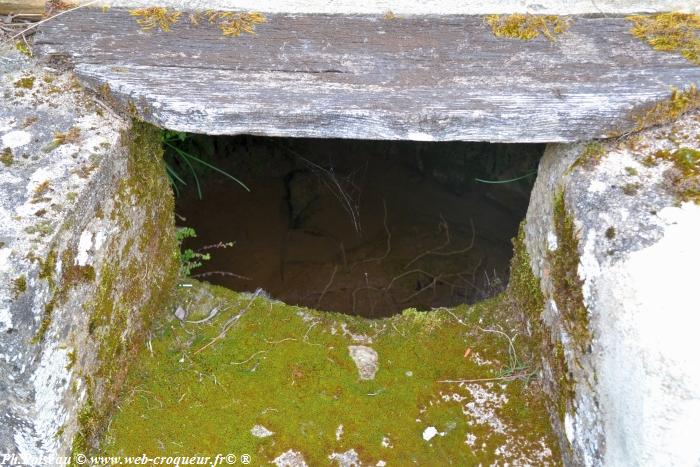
176,156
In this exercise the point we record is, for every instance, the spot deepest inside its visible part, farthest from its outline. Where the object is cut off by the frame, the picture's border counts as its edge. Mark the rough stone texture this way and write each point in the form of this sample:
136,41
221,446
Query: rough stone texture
290,459
366,360
74,220
631,383
427,78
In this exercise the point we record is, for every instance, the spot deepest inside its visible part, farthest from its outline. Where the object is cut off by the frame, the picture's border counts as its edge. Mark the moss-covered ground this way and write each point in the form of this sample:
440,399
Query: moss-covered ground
240,360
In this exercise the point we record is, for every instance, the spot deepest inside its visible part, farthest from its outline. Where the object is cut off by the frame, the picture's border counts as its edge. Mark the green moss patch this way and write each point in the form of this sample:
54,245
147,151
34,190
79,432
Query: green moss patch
527,27
525,293
679,103
6,157
683,177
231,23
23,48
128,292
591,155
25,83
567,292
670,32
241,360
19,285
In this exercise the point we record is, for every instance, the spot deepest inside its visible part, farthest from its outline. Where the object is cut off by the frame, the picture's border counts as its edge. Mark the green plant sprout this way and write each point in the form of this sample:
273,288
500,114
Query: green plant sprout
172,140
189,258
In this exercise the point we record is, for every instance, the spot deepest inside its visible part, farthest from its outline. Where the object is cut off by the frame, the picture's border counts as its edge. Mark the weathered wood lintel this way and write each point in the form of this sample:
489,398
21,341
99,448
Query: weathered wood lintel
417,78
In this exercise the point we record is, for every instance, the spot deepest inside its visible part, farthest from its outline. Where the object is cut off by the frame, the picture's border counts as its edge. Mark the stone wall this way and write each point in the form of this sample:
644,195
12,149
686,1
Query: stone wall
612,232
87,255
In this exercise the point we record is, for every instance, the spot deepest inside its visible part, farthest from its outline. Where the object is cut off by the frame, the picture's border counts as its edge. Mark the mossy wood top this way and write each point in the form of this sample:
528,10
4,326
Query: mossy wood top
374,77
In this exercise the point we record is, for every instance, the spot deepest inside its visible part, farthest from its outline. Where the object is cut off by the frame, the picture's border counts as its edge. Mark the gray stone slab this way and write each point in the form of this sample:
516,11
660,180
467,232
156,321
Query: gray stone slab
415,77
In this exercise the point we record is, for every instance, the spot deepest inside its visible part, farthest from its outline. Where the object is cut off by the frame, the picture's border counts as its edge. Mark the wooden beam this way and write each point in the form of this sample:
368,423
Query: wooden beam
21,7
355,76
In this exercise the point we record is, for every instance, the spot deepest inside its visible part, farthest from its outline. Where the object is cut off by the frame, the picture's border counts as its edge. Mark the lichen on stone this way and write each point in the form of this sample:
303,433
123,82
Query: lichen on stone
527,27
670,32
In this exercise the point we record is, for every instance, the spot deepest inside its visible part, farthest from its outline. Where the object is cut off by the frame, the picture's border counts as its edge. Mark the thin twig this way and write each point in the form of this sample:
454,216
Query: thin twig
230,322
221,273
437,252
354,294
222,245
453,315
281,340
328,286
306,336
522,374
511,347
338,191
212,313
249,358
431,285
388,244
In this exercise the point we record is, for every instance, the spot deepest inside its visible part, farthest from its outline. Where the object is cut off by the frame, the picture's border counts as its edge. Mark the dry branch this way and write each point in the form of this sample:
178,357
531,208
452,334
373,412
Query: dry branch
230,322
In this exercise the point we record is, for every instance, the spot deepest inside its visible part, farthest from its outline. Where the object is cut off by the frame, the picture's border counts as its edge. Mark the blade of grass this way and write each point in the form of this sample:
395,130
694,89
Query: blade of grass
194,174
174,174
174,185
480,180
206,164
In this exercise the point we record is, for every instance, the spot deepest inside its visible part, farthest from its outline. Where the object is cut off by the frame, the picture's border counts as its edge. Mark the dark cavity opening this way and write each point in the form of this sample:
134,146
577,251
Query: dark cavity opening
356,226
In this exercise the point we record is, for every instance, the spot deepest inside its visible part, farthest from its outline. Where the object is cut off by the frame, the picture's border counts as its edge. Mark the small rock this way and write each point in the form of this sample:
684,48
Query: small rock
260,431
290,459
386,442
366,359
430,433
339,432
180,313
349,458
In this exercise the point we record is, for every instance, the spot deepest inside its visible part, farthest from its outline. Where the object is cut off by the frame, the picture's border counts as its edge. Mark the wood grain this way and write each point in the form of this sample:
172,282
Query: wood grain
417,78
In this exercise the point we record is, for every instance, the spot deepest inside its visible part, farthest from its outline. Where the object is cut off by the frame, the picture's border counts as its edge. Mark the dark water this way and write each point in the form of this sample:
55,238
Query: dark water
361,227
